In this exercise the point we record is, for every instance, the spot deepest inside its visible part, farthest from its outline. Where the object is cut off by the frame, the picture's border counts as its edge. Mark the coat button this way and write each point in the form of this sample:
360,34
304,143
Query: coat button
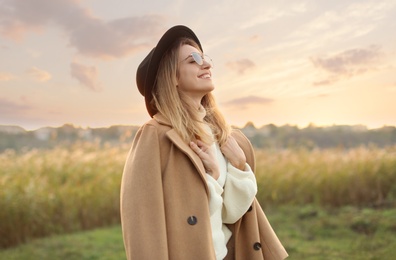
257,246
192,220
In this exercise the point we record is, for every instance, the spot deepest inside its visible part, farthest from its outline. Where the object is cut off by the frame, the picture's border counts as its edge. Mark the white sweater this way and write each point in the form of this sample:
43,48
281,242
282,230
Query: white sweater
230,197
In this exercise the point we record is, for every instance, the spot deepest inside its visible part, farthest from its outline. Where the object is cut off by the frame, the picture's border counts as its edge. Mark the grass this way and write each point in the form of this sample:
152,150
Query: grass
44,192
307,232
345,233
99,244
328,178
70,189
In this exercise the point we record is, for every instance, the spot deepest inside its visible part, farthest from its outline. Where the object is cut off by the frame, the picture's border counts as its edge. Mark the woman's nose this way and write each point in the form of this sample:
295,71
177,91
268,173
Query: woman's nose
206,64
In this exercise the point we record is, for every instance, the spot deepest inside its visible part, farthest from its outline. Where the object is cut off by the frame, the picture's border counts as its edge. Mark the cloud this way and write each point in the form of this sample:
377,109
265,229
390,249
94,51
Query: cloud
347,64
90,35
240,66
87,76
243,102
4,76
8,108
347,61
328,81
117,38
19,17
38,74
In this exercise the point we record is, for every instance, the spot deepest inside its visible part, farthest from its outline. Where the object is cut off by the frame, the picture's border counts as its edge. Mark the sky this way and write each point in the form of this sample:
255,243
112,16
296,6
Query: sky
275,62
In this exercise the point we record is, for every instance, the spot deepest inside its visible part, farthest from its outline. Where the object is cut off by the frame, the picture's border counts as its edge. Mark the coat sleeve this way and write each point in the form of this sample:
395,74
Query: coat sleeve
142,203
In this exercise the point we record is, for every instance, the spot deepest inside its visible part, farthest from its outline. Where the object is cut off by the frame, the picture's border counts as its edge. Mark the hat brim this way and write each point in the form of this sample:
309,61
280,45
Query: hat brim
166,41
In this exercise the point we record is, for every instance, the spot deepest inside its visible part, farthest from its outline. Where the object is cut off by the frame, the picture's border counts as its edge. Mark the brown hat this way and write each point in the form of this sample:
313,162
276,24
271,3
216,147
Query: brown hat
146,74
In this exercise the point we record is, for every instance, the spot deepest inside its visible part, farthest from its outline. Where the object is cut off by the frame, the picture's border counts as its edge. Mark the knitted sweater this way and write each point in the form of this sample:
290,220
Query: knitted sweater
230,197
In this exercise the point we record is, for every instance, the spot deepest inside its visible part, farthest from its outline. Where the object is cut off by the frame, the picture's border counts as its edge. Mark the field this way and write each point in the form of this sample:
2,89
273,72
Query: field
307,232
324,204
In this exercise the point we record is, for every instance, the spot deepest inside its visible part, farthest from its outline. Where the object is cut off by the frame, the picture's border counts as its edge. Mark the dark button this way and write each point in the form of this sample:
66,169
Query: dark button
250,208
192,220
257,246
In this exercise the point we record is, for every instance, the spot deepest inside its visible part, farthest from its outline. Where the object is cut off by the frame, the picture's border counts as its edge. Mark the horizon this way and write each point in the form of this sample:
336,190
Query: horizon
237,126
308,62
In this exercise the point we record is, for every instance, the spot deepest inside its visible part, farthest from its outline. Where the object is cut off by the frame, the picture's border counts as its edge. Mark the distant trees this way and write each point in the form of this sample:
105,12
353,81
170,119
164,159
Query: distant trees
65,135
268,136
271,136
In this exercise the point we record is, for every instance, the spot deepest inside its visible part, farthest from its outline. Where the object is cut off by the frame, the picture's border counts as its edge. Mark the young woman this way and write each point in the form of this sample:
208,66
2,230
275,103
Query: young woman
188,187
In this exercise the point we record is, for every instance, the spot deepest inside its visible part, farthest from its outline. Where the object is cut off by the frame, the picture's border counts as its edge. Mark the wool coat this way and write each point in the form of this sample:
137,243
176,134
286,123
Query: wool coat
165,203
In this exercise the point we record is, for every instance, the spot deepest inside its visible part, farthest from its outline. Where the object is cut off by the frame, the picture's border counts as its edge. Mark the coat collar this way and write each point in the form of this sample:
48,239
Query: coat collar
183,146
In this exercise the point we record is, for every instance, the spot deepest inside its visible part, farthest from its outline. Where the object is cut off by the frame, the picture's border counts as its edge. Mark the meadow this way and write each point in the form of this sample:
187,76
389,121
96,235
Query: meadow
315,196
56,191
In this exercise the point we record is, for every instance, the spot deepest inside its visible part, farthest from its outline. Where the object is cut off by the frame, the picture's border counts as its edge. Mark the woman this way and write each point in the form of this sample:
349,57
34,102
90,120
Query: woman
188,187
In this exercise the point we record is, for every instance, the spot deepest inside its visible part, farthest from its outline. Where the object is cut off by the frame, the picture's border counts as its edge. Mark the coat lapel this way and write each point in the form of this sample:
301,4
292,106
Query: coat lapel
185,148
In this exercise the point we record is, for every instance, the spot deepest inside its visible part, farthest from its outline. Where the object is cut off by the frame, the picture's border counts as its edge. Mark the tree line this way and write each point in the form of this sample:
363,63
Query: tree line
267,136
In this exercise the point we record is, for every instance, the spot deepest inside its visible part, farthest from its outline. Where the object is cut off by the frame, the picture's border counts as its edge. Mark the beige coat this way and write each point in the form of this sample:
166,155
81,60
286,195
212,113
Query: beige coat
164,203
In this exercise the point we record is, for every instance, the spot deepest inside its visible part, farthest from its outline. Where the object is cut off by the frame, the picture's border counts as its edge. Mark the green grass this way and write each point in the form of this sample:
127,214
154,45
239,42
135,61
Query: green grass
71,189
99,244
307,232
345,233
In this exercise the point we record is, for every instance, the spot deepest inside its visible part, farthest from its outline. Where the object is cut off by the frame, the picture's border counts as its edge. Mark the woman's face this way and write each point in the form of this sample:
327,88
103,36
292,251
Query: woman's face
193,79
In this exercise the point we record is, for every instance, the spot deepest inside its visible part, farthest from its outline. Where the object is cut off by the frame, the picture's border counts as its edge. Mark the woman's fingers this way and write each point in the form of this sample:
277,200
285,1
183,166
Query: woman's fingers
207,157
199,147
234,153
196,149
200,143
204,147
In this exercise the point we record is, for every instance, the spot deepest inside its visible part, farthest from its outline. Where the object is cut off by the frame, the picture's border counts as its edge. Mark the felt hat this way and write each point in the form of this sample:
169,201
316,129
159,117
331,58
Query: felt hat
146,75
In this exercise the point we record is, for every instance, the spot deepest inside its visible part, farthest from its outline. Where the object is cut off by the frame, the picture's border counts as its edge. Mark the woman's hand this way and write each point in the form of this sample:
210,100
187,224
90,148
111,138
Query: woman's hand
208,158
234,153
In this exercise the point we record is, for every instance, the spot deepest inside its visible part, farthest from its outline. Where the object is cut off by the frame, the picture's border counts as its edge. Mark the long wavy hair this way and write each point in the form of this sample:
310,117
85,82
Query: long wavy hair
178,108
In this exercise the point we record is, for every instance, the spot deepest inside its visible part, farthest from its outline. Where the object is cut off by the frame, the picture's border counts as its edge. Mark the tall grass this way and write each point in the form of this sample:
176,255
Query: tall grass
66,189
331,178
59,190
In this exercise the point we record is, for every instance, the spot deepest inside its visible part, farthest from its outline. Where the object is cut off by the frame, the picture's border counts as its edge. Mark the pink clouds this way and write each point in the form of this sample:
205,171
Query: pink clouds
240,66
347,64
116,38
89,35
86,75
9,108
243,102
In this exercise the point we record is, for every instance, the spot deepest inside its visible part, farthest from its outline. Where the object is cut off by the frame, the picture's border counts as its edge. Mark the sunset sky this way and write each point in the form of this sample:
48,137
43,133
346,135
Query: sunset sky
282,62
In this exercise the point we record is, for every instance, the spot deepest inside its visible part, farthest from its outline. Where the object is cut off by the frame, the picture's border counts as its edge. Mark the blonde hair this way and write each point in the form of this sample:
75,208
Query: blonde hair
177,107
